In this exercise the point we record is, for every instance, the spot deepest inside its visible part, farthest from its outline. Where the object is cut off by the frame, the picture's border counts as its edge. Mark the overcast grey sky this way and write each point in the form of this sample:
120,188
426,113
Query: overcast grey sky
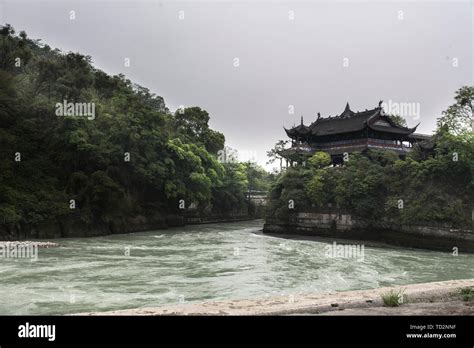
417,52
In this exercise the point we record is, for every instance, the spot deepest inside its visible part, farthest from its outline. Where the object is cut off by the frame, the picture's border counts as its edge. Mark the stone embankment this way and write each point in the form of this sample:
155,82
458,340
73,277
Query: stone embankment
436,298
344,226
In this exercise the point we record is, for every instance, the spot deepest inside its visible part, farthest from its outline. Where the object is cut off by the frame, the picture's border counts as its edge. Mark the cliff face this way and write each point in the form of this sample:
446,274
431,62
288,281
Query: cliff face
345,226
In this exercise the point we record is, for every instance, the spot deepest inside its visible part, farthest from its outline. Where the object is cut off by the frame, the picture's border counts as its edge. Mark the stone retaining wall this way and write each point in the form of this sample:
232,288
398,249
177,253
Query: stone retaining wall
333,225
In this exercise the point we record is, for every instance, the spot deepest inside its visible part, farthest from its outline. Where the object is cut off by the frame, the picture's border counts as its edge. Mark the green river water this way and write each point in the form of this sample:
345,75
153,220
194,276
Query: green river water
203,262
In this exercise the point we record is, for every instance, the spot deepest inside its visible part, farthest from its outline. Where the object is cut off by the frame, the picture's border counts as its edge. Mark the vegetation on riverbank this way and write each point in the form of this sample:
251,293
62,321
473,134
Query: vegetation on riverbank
419,190
393,298
467,294
134,160
131,158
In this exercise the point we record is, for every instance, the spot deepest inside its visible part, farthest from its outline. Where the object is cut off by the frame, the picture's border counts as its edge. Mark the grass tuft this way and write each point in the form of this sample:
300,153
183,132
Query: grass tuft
393,298
467,294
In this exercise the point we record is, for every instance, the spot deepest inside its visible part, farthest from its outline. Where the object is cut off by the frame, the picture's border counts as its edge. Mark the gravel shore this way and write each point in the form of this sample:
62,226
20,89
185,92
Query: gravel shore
436,298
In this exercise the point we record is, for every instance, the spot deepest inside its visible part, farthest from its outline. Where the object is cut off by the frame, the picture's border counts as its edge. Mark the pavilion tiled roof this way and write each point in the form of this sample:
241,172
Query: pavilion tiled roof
349,121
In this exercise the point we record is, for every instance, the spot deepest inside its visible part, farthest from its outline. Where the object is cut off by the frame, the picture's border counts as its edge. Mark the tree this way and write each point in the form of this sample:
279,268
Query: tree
258,179
319,160
193,124
274,154
15,53
458,119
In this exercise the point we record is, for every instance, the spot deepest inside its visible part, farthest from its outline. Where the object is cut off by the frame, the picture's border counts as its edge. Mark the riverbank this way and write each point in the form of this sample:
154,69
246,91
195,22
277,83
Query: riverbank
434,298
345,226
74,227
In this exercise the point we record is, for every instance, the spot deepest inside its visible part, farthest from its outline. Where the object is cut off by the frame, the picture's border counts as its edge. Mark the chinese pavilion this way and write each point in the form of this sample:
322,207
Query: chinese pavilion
350,132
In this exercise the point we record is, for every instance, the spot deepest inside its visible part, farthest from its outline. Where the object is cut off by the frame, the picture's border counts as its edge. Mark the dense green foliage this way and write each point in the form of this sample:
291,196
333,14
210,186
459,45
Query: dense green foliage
133,158
419,190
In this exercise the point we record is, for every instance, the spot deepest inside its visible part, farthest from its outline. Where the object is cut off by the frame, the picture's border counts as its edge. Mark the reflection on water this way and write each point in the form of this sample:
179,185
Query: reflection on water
206,262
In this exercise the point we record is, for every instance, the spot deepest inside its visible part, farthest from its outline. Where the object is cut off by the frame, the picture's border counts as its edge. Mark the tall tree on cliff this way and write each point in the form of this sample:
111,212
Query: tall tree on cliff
274,154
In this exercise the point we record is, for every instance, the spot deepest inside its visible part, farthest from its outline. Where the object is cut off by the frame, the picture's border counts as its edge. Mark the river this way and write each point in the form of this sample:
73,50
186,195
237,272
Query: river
203,262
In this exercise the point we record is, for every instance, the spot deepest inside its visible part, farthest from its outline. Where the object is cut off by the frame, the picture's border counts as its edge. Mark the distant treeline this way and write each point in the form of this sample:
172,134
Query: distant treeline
437,189
76,141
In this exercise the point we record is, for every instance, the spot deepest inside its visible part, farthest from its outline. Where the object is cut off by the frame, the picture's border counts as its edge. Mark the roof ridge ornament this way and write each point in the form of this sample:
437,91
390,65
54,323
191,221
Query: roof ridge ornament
347,111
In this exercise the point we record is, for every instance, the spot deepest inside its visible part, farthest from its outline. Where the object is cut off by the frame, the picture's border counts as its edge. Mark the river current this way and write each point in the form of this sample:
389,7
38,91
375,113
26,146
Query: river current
201,263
